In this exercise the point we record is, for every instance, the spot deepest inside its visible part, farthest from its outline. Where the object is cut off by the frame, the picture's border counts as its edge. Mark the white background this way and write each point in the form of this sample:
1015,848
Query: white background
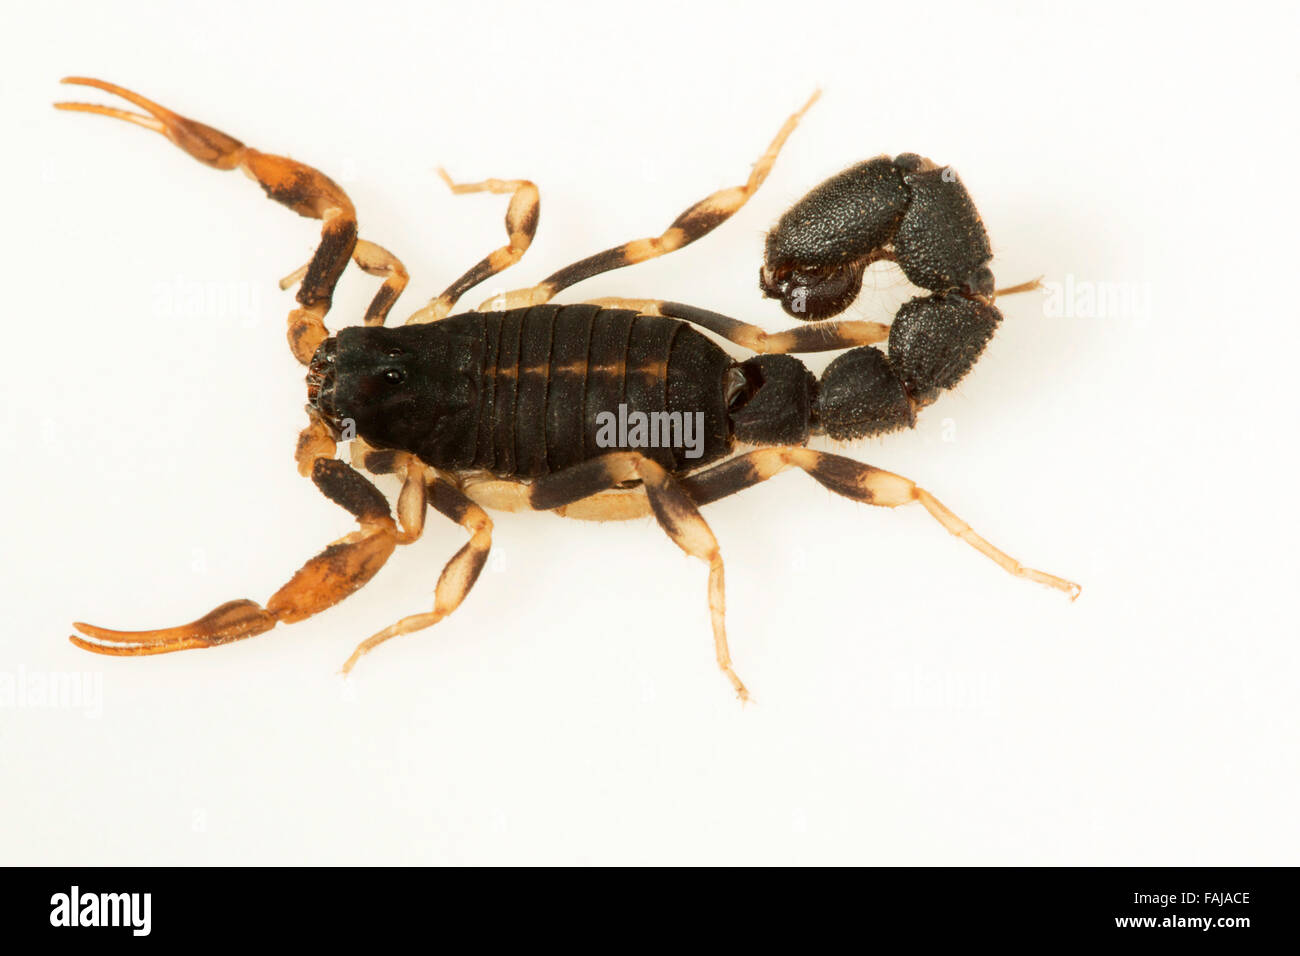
914,704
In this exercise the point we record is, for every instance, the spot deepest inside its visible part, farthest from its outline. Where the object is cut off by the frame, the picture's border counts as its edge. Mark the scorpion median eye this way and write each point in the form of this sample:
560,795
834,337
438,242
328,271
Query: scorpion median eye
394,376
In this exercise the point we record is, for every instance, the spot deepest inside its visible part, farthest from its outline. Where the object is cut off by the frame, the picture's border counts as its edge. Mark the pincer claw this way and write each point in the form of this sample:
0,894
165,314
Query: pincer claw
231,621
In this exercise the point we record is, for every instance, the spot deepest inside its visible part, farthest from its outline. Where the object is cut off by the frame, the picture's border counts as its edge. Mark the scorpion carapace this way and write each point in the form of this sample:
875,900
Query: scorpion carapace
514,406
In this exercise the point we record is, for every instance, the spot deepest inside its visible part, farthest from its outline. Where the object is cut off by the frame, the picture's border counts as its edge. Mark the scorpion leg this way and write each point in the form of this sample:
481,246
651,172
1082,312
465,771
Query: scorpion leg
813,337
676,513
822,336
322,582
521,225
305,190
856,481
699,220
373,260
459,574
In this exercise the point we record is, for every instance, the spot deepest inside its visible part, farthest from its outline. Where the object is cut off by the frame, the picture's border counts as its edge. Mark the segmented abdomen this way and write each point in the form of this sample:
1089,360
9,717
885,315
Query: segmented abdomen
550,371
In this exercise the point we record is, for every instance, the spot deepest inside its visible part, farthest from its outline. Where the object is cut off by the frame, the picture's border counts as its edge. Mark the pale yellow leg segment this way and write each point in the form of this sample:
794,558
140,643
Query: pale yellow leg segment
962,530
412,500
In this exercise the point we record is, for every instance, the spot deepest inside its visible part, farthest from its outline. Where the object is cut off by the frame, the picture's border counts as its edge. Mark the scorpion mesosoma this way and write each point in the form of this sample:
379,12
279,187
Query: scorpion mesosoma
502,408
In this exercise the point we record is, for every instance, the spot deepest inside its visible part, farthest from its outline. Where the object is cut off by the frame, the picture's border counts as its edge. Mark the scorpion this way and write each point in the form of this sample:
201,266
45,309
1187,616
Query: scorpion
501,408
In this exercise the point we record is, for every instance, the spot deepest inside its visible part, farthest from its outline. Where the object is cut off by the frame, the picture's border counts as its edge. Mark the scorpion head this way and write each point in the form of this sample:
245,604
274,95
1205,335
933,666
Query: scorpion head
320,382
411,388
366,378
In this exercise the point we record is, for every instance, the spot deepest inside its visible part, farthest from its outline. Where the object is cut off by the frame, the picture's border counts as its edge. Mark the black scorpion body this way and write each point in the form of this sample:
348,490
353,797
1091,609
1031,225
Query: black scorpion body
571,406
520,393
523,393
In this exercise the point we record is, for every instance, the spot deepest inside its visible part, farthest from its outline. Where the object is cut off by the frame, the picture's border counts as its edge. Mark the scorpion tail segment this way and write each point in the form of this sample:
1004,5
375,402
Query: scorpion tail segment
232,621
934,342
860,396
207,145
906,210
771,401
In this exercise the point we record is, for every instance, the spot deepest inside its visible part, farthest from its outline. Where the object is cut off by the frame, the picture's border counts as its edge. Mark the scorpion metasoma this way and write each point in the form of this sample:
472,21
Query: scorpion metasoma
510,407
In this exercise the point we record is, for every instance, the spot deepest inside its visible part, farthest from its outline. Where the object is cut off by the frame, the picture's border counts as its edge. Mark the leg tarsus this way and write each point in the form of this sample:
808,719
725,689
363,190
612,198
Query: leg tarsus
961,529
